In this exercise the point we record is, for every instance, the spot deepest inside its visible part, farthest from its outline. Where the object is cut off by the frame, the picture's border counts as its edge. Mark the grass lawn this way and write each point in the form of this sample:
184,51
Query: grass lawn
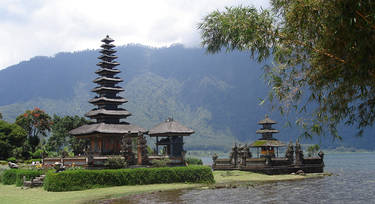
13,194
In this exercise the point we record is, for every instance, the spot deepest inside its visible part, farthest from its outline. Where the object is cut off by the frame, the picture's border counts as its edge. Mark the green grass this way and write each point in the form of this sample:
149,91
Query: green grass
12,194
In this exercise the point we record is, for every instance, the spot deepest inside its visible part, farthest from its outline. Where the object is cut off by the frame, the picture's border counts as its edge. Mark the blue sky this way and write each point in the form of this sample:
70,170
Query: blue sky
44,27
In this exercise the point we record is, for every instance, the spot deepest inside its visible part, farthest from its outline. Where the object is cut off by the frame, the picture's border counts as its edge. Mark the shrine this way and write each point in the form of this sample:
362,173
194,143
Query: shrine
268,160
107,134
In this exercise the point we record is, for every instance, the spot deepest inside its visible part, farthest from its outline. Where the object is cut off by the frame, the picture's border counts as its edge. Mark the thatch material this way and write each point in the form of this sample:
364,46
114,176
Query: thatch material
267,120
107,129
106,89
262,131
110,100
121,112
267,143
170,128
103,78
103,70
107,39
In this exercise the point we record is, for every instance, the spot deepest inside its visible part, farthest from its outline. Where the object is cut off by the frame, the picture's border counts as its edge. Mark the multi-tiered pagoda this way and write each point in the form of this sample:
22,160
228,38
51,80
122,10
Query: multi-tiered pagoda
267,143
105,135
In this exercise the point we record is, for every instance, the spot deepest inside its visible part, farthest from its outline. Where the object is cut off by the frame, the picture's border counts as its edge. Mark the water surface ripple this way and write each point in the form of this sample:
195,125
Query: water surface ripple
353,181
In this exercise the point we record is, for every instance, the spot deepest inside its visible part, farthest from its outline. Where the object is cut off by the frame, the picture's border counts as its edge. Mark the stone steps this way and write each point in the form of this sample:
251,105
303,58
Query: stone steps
36,182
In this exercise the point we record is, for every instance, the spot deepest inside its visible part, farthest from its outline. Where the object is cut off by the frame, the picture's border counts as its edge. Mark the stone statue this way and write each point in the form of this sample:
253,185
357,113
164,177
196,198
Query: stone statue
289,154
214,158
143,147
234,155
12,165
126,149
299,154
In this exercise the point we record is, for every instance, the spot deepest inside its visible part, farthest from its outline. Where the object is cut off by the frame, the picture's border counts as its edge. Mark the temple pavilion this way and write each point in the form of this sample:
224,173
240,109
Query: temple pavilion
171,135
267,144
106,133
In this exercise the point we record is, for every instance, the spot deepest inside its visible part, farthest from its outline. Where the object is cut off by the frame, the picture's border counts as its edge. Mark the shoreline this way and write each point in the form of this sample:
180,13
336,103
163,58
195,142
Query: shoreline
224,179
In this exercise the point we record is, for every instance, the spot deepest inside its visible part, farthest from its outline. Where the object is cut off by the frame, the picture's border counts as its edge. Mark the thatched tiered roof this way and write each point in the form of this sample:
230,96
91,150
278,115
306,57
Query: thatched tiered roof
170,128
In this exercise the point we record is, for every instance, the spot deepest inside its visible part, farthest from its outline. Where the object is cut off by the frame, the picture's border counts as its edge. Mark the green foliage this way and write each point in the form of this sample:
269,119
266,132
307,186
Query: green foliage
60,137
37,123
313,149
116,163
15,176
194,161
160,162
86,179
11,137
1,116
9,176
322,54
12,159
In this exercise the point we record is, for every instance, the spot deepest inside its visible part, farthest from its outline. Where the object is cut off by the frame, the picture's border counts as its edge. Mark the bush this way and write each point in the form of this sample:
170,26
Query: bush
194,161
29,174
86,179
15,176
12,159
116,163
160,163
9,176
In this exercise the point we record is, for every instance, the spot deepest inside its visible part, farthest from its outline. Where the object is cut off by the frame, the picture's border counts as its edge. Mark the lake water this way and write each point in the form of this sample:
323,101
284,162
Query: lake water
353,181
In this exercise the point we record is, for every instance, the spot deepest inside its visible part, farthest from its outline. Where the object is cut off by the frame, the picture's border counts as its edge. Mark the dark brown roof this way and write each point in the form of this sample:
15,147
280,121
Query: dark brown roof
107,46
107,57
108,112
103,78
104,64
261,131
170,128
110,100
267,143
107,70
106,129
267,120
103,88
107,39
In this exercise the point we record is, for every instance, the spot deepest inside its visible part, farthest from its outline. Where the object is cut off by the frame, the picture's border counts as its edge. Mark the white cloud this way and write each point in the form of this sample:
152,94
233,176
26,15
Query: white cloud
44,27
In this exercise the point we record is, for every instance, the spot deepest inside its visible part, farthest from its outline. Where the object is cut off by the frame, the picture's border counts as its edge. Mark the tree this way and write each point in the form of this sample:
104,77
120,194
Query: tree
1,116
323,56
60,137
37,123
12,137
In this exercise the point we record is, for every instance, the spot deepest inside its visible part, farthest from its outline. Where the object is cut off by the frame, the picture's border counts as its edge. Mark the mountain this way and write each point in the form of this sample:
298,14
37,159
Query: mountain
216,95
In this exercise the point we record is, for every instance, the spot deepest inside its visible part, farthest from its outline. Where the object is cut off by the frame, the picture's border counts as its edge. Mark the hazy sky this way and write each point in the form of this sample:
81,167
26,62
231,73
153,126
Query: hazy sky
44,27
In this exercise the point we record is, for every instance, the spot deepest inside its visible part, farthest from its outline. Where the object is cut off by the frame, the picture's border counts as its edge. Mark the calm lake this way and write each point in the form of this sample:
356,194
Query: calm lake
353,182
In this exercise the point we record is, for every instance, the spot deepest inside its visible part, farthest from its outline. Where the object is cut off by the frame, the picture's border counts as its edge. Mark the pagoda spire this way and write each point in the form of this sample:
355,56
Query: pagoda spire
107,90
266,131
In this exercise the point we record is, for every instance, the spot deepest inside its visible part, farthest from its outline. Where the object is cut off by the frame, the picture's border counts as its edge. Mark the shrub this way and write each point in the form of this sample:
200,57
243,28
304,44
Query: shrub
160,162
194,161
9,176
32,160
15,176
116,163
12,159
29,174
86,179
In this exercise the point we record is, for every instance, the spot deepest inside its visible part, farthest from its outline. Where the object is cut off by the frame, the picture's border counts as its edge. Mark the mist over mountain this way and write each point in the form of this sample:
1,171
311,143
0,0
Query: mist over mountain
216,95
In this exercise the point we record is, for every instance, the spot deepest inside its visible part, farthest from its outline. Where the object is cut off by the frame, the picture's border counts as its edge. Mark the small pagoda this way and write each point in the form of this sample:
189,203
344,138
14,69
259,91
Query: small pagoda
171,135
106,135
267,143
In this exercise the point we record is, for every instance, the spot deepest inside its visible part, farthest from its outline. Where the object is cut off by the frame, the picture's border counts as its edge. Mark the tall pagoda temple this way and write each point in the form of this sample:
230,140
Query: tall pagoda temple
267,143
105,135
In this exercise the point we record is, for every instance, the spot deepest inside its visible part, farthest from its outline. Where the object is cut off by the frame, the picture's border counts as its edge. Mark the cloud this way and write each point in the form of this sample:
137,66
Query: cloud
44,27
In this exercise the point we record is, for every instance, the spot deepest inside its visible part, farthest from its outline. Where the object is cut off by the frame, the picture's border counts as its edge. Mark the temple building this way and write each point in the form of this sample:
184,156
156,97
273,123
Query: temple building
106,134
171,135
267,144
